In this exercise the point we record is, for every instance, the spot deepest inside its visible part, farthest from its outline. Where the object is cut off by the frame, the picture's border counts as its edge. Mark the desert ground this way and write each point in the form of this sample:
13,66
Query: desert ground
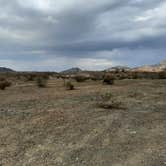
53,126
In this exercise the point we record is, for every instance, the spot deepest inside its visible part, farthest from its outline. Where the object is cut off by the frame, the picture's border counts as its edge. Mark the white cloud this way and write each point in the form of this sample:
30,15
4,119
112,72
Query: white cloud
92,35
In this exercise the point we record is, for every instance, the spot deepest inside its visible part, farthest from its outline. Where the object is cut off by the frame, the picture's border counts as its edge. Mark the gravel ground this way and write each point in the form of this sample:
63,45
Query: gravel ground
56,127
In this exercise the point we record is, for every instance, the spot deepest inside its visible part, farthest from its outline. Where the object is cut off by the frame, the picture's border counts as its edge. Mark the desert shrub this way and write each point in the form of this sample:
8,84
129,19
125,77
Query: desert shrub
112,104
80,78
108,80
134,75
2,79
107,101
122,75
36,75
106,97
129,75
94,78
4,84
44,75
30,77
58,76
162,75
69,86
41,82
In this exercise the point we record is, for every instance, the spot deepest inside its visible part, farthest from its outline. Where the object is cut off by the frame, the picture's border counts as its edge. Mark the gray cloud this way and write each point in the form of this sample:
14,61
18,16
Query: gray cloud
34,34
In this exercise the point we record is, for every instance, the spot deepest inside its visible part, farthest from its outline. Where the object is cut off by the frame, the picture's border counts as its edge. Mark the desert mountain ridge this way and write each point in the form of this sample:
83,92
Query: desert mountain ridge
151,68
4,70
145,68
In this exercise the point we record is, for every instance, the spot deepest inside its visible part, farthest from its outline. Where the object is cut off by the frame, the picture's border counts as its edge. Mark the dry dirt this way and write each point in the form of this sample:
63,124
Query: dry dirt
56,127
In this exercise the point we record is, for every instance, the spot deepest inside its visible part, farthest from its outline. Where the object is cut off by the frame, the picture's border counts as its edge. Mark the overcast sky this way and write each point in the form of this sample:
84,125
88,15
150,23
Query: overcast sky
90,34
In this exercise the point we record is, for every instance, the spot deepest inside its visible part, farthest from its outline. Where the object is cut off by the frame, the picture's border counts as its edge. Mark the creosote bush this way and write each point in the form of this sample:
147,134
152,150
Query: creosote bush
4,84
69,86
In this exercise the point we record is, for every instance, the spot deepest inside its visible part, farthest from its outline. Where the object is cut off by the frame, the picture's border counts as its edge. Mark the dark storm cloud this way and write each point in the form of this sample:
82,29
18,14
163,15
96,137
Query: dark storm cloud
46,31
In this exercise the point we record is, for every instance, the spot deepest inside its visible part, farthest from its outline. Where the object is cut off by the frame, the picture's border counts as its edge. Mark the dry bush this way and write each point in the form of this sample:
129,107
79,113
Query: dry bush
4,84
69,86
107,101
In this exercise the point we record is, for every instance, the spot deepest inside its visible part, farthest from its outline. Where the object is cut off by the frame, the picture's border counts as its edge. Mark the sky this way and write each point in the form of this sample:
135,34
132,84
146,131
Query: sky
53,35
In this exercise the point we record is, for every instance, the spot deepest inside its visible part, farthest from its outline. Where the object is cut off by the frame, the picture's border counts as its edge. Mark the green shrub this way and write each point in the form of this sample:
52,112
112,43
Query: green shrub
69,86
4,84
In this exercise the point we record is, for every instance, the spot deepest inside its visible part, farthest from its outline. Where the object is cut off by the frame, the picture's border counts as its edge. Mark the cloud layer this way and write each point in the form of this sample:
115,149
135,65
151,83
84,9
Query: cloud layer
57,34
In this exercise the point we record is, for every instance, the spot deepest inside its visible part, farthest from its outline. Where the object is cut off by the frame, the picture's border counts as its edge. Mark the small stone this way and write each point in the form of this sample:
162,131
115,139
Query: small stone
133,132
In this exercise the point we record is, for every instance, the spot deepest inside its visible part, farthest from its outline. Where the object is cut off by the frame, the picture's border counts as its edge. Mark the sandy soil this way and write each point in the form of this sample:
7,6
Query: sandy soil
56,127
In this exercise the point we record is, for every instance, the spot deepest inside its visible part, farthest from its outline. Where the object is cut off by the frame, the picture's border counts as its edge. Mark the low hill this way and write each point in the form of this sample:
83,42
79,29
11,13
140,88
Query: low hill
4,70
73,70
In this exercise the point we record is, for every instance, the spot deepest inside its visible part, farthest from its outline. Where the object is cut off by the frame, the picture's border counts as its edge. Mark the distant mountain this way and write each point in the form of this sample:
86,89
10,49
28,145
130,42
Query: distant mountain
73,70
4,70
118,68
152,68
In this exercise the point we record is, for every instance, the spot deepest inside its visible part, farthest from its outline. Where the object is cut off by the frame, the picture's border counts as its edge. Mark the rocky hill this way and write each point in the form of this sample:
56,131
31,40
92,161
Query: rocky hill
152,68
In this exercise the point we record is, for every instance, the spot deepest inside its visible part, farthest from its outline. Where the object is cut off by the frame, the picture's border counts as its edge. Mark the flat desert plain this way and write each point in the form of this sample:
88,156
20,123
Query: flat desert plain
53,126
